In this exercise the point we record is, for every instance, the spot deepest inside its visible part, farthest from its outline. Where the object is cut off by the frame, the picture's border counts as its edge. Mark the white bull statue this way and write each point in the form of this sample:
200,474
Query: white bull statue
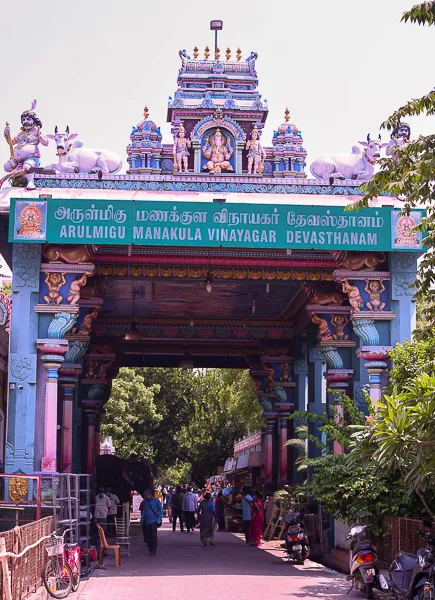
356,165
74,158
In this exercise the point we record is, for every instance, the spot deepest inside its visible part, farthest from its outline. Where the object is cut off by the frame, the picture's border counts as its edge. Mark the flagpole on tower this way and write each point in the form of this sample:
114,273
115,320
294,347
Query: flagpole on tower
216,26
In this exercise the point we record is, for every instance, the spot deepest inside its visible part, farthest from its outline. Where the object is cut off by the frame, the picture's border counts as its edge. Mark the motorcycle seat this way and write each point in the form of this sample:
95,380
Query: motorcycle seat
408,561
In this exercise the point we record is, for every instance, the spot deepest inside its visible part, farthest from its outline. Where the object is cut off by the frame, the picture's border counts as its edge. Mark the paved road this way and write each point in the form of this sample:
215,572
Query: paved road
231,570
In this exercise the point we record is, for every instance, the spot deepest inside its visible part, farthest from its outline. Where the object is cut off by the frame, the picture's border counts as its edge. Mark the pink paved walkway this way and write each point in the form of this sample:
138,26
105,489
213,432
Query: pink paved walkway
231,571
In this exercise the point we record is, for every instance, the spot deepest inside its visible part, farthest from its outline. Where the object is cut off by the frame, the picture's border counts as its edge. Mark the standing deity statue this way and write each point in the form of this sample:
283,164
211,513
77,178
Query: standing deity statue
256,153
24,147
218,151
180,150
251,62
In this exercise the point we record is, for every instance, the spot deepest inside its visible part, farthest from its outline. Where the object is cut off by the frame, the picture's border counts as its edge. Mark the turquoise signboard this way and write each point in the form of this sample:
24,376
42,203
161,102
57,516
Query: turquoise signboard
200,224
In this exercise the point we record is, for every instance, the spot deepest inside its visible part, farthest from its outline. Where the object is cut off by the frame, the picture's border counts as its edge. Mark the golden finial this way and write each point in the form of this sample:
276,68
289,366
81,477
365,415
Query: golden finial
146,114
287,115
195,53
228,53
217,53
207,53
239,54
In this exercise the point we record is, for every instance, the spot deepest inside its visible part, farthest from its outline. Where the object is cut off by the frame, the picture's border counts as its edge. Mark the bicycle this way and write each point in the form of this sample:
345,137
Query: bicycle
62,570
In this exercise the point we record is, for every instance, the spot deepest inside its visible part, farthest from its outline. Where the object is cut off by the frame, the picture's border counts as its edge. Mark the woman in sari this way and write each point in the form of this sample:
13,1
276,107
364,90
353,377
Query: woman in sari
220,512
257,520
206,520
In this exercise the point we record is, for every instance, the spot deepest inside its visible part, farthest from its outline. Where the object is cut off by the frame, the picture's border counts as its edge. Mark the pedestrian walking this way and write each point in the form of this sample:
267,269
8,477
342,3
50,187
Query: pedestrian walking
206,520
169,504
177,508
190,503
257,520
113,511
220,511
246,512
102,505
151,520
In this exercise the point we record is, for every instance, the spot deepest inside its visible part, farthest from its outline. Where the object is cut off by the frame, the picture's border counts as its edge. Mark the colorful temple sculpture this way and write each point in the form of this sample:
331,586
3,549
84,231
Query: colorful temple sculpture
211,250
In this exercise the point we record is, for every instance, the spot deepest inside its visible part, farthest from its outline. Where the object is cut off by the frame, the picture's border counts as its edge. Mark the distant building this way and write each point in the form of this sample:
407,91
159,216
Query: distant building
107,446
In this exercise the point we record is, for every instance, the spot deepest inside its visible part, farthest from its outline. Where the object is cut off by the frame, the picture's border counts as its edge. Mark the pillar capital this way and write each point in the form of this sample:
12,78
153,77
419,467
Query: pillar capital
283,408
68,390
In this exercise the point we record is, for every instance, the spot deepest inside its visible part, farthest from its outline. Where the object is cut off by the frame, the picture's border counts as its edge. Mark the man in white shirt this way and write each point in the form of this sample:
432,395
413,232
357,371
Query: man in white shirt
113,511
190,503
102,505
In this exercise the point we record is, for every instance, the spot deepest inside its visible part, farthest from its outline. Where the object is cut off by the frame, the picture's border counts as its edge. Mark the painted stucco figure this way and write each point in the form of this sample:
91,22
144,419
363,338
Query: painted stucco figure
356,165
180,150
353,294
324,331
400,136
374,289
24,147
256,153
54,282
76,287
340,322
251,62
74,158
218,151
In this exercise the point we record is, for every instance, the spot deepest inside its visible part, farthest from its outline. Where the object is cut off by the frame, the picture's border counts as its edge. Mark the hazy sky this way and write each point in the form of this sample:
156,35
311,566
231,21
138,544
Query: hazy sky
341,66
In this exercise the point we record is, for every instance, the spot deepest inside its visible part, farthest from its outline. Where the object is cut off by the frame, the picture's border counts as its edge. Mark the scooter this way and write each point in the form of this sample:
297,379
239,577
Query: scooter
296,539
364,571
412,577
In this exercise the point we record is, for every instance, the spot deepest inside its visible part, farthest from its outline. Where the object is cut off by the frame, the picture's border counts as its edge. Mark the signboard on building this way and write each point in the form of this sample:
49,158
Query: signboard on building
199,224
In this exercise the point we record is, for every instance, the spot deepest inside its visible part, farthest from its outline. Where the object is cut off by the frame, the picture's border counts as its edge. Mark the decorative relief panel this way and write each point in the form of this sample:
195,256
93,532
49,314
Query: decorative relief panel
22,367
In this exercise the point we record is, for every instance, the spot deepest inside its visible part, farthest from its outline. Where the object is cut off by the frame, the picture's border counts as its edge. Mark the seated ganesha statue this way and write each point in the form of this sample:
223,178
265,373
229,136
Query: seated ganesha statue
218,151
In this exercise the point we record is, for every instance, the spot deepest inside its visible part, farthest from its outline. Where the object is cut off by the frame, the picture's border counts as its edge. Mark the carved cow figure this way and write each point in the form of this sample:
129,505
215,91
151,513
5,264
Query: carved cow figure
356,165
74,158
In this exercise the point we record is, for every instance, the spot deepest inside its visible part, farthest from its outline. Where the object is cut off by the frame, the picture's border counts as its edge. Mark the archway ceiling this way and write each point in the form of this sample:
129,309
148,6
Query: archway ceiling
174,299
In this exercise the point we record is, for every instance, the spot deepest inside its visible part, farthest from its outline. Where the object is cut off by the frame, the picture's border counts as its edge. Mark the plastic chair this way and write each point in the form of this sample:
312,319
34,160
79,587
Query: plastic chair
122,528
105,546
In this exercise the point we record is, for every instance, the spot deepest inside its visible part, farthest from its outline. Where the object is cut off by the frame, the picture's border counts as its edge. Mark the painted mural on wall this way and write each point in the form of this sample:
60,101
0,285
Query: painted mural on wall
404,234
30,221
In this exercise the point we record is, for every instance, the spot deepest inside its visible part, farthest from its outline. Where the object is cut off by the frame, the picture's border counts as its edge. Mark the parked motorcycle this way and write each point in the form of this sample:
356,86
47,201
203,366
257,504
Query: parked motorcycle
364,571
296,539
412,577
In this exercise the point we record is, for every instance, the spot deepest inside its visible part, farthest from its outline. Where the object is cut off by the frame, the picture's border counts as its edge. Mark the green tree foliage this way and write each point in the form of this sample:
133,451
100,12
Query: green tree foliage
410,175
412,358
216,424
129,413
194,418
242,388
354,490
400,437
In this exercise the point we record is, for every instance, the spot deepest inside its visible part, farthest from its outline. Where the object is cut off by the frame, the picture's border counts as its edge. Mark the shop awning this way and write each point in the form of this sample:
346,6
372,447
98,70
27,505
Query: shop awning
230,465
250,459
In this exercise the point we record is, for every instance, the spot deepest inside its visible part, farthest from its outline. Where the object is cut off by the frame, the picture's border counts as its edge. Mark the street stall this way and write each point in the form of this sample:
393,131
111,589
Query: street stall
243,470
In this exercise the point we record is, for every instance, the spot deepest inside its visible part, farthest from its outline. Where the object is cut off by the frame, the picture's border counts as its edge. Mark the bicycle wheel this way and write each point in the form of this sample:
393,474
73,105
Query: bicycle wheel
58,578
76,574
